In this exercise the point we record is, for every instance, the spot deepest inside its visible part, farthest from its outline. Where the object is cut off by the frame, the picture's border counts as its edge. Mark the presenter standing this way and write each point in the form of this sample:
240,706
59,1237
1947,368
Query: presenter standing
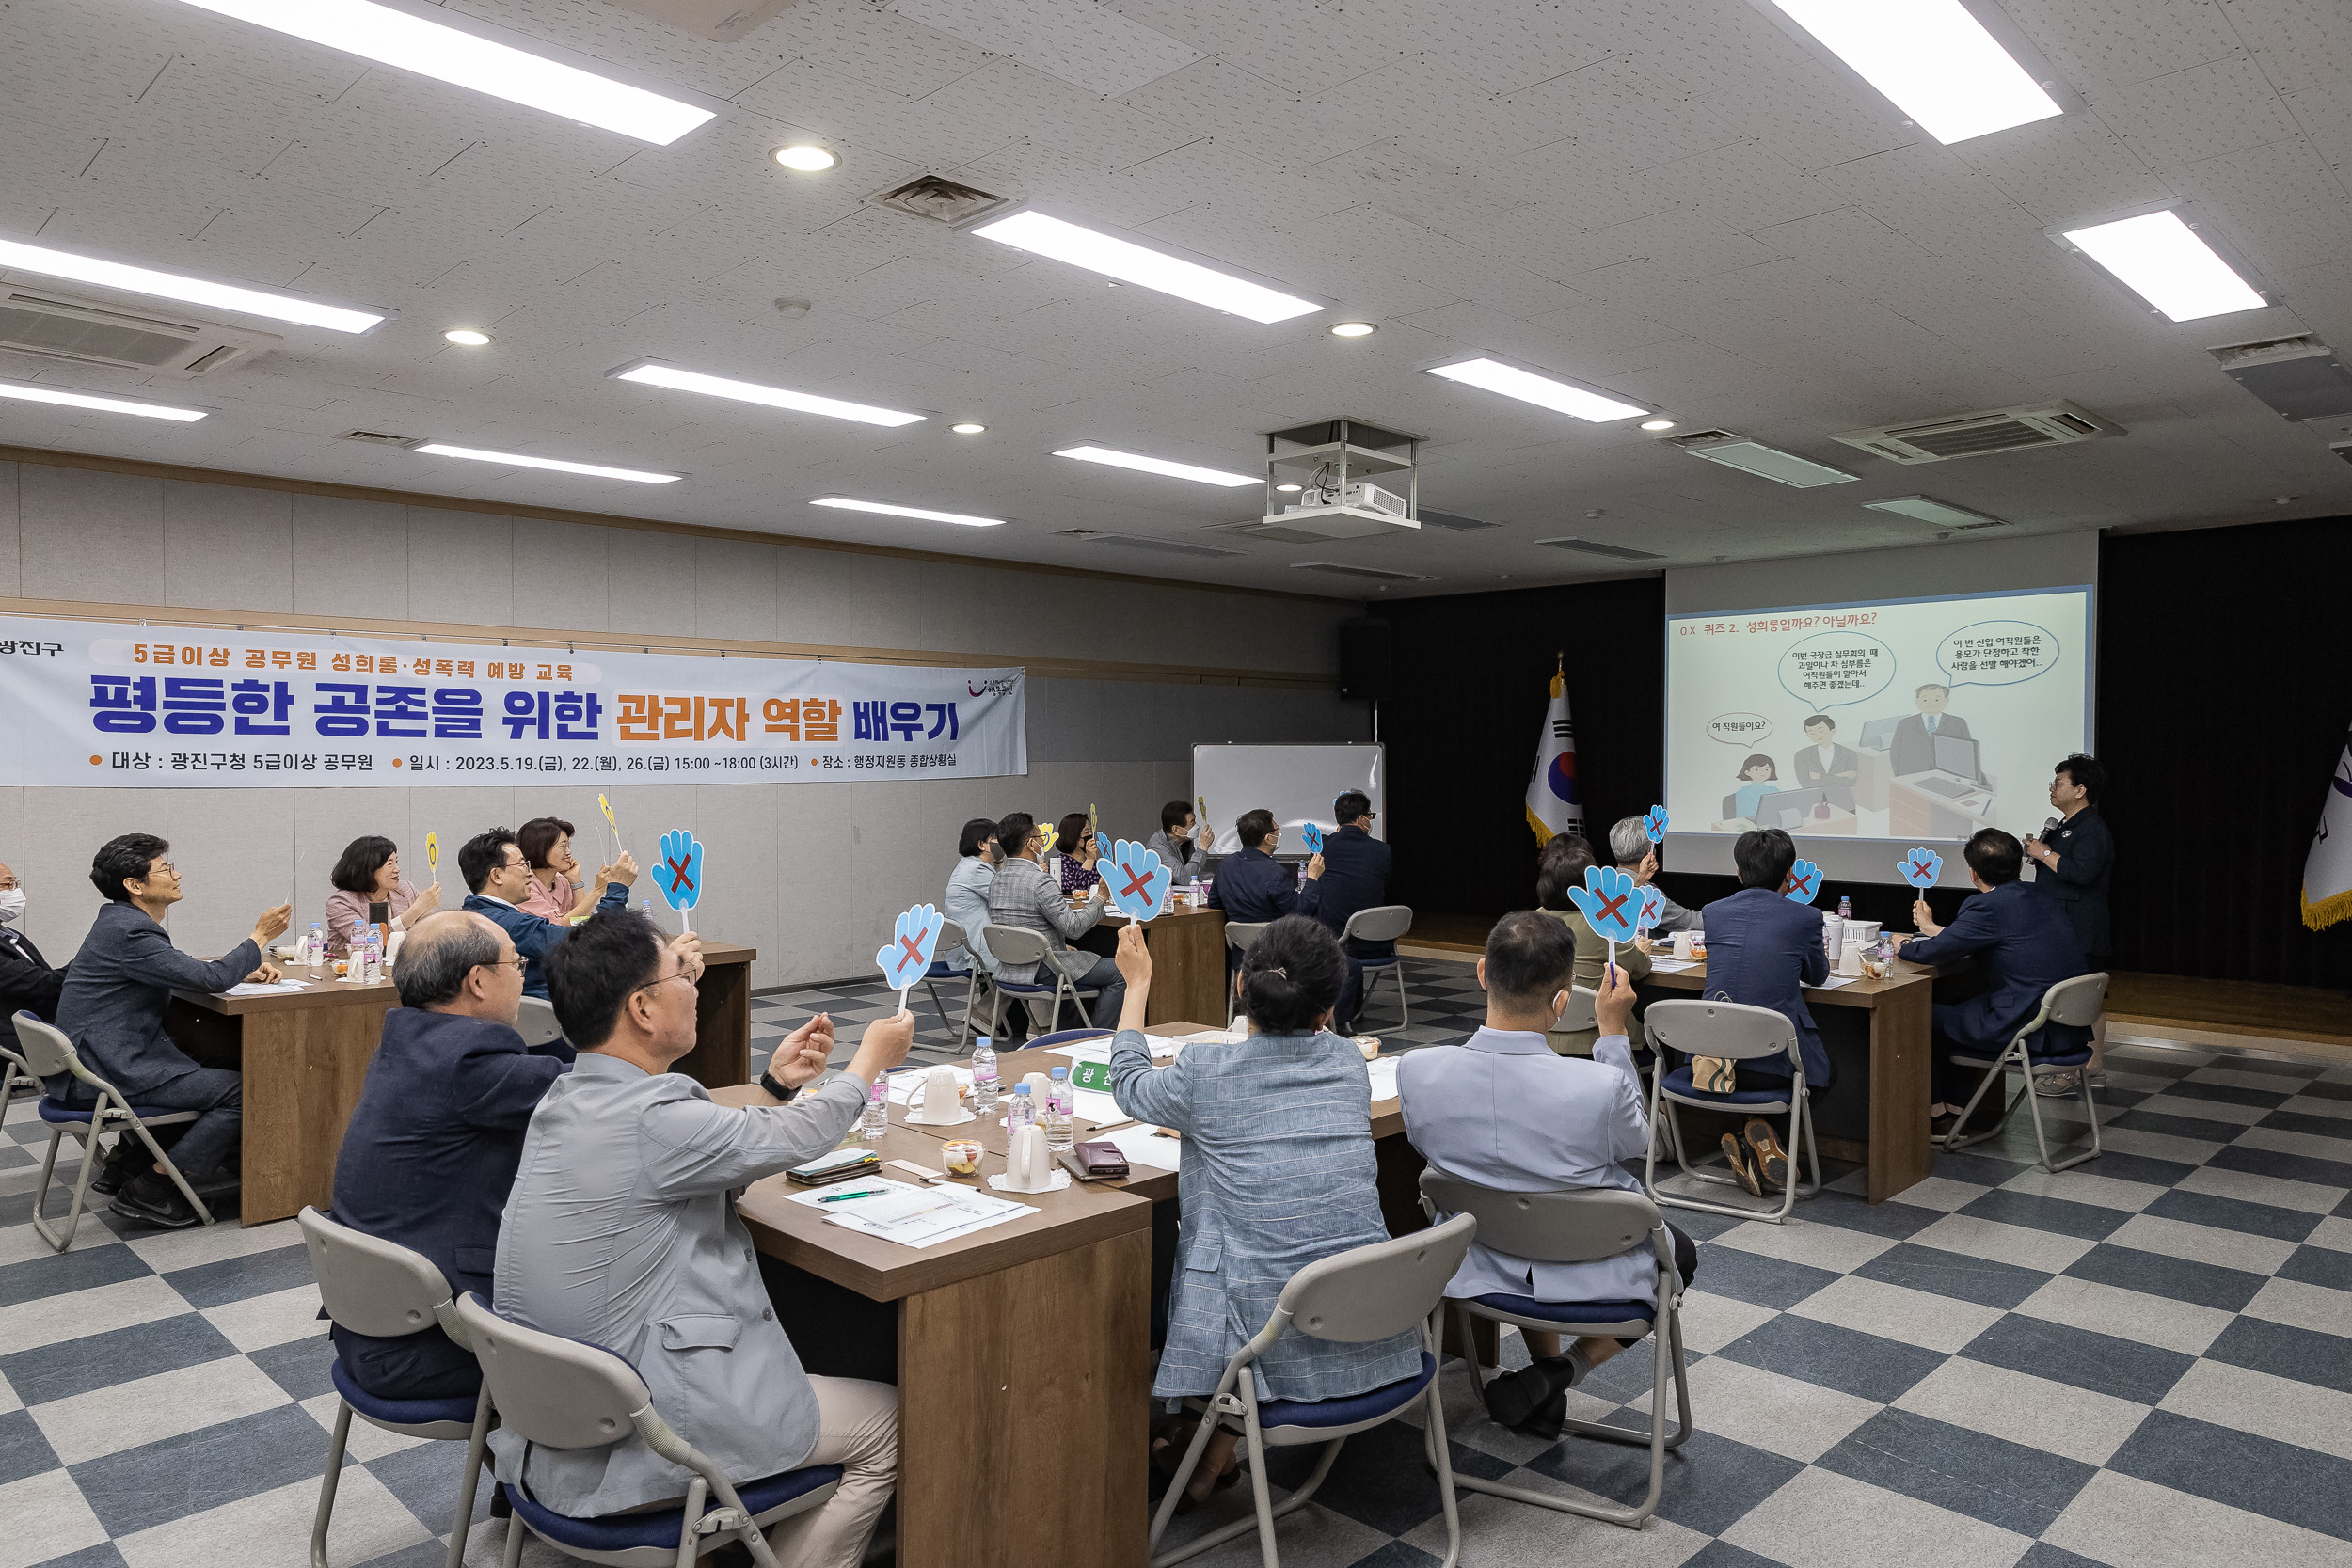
2077,853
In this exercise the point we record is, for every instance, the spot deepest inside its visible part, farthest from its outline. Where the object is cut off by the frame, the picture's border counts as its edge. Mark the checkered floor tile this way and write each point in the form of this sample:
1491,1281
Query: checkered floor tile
2144,1362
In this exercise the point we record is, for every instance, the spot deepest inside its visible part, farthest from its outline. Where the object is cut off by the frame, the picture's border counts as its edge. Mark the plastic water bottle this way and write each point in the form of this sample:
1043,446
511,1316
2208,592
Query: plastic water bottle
1060,1116
1845,907
983,1076
875,1122
315,950
1021,1112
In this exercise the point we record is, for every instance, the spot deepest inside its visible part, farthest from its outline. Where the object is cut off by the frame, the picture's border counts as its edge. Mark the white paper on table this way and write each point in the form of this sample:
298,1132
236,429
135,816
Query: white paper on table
902,1084
1083,1050
1837,980
258,987
1671,966
1095,1106
1218,1037
1383,1071
1143,1145
916,1216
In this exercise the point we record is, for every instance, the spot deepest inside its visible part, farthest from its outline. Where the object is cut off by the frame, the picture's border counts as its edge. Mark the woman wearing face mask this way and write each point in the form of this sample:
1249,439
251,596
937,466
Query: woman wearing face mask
27,980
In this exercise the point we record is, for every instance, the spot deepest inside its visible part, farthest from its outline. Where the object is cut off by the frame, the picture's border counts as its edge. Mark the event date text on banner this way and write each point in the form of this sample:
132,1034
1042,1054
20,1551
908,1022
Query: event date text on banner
114,704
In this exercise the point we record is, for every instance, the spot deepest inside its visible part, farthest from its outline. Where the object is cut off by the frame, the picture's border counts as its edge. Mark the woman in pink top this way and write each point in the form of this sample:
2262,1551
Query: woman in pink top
555,892
369,874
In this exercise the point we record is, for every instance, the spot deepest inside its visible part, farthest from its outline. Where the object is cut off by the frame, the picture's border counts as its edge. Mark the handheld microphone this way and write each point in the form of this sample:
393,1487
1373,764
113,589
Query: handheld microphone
2048,828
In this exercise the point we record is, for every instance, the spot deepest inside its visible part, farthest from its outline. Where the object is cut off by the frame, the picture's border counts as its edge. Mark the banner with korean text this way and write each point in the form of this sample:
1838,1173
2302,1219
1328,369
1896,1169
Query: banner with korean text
106,704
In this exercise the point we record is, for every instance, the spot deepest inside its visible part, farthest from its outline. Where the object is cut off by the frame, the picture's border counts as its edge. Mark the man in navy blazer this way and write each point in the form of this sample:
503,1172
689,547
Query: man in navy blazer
2023,943
1253,887
1762,948
433,1144
497,875
1355,876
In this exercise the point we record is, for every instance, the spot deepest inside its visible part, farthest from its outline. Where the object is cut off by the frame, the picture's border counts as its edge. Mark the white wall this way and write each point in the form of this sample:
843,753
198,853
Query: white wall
807,873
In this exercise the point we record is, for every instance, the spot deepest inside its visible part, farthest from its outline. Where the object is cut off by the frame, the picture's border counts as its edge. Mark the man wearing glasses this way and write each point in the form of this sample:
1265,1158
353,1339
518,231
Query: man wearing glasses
1355,876
112,1008
498,879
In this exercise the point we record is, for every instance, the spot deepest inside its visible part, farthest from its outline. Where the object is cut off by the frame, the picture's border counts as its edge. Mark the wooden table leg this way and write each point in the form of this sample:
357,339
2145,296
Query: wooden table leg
1022,1412
723,1028
1901,1085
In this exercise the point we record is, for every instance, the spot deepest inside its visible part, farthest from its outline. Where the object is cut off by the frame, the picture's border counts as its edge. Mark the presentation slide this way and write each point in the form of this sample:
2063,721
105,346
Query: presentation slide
1915,719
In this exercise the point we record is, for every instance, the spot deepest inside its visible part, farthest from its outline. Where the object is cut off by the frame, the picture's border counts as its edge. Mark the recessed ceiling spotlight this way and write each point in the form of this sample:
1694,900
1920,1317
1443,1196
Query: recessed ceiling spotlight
31,393
924,513
1125,259
805,159
969,427
1658,424
474,55
652,373
188,290
1158,465
1541,390
793,307
516,459
1290,489
1351,330
467,336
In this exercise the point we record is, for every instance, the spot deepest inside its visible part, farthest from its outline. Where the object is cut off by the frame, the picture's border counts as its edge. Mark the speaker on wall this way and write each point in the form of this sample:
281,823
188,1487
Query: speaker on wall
1364,659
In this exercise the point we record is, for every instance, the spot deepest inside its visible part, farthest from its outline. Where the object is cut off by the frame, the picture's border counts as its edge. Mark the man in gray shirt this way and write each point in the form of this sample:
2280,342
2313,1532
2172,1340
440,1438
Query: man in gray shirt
621,1231
1025,896
1179,849
1630,847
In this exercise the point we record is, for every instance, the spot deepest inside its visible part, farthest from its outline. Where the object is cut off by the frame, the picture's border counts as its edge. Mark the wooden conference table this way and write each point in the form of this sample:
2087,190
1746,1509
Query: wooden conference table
1187,963
305,1056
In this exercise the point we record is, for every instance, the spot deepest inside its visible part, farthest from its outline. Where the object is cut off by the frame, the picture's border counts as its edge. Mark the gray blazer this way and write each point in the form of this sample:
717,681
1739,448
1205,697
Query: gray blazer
115,991
1278,1172
1023,895
1181,868
620,1230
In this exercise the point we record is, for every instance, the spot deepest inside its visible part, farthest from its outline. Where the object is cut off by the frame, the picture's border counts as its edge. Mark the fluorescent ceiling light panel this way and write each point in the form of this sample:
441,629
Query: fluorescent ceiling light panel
2160,258
192,290
1158,465
1130,262
395,36
654,374
1755,457
847,503
1495,376
594,470
33,392
1926,509
1932,58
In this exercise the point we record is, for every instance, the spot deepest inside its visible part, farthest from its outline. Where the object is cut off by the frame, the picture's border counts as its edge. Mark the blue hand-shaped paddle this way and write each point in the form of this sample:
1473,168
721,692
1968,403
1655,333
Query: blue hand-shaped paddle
1312,833
1920,867
1804,881
680,873
1610,902
906,958
1135,880
1653,908
1654,824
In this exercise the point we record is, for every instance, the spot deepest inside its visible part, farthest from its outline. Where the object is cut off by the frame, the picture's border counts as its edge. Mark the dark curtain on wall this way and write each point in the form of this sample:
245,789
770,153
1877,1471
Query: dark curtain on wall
2224,697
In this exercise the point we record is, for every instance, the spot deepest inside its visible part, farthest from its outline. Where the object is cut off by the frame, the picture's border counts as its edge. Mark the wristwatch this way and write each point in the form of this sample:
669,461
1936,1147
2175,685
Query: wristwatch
779,1090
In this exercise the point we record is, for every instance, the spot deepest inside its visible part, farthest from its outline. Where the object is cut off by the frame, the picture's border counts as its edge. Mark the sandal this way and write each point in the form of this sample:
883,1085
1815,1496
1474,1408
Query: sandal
1167,1454
1736,1156
1771,1161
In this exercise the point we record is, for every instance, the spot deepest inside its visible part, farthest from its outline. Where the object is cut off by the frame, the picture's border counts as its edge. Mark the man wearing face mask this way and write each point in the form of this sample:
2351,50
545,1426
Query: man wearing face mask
26,981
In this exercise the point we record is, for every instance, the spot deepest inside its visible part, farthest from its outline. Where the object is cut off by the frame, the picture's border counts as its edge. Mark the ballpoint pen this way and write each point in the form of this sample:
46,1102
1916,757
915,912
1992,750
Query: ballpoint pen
843,1197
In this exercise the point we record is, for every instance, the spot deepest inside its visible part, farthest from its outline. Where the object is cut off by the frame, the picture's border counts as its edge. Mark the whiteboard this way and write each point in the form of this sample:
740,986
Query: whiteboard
1297,784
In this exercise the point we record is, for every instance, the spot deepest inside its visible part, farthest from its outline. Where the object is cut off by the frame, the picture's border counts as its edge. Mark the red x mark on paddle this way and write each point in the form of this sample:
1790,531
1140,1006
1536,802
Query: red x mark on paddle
1609,907
1922,868
913,945
1137,882
678,873
1801,884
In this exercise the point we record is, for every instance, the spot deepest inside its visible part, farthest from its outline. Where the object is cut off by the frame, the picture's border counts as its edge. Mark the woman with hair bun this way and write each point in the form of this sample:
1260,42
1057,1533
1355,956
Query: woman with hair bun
1278,1173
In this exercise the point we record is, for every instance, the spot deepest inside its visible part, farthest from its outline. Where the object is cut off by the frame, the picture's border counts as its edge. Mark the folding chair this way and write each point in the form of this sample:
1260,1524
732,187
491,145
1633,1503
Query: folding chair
560,1393
1744,1034
951,941
1014,946
374,1287
1578,1227
1381,922
1357,1296
2078,1001
47,1053
15,1079
1240,936
534,1020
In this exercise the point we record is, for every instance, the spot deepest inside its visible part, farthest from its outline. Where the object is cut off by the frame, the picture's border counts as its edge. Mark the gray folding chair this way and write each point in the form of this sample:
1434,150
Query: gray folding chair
951,941
15,1079
1381,922
1744,1034
1013,945
1578,1227
47,1053
1240,936
1367,1293
536,1021
2079,1001
559,1393
374,1287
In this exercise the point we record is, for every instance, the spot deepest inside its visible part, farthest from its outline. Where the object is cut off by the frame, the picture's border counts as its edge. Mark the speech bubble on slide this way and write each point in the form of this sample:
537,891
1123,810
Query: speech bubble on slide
1836,669
1744,729
1997,652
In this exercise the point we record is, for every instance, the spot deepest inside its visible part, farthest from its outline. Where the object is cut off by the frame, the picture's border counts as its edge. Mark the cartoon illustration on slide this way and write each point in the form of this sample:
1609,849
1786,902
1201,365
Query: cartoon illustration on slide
1759,779
1824,765
1915,736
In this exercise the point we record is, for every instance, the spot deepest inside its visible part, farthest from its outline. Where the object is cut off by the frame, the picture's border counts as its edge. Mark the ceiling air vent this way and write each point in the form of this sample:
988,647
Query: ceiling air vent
1942,515
1271,534
1594,546
941,200
1375,573
2299,377
720,21
1755,457
2038,424
1142,542
378,439
1452,521
57,326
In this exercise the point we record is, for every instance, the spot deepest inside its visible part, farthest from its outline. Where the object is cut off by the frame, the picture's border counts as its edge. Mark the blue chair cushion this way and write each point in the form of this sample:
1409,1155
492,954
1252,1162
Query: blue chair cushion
615,1532
57,1113
942,969
1015,987
2071,1059
1356,1407
1571,1311
1389,962
407,1413
1679,1083
1065,1036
